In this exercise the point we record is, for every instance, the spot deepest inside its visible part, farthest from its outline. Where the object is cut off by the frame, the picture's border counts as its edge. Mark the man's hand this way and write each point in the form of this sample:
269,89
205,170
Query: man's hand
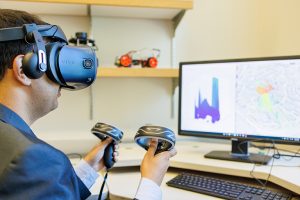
95,157
153,166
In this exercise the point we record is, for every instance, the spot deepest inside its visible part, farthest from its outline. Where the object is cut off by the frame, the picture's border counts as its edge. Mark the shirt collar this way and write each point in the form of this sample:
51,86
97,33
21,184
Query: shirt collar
10,117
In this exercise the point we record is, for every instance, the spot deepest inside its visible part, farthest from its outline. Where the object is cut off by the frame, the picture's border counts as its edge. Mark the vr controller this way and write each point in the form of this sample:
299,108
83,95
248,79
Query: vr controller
165,136
166,139
71,67
103,131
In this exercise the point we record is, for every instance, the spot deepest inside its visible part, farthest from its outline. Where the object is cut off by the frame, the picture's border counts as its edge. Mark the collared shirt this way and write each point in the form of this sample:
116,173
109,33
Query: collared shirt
147,188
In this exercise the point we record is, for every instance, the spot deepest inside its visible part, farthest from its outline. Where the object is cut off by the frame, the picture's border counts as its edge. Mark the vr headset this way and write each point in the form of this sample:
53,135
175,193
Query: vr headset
72,67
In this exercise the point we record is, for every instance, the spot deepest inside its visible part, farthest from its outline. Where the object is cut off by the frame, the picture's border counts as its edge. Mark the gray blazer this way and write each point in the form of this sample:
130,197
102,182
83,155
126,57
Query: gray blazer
32,169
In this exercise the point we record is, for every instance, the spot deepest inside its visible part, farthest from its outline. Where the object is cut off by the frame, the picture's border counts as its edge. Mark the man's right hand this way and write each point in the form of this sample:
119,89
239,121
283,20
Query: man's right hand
95,156
153,166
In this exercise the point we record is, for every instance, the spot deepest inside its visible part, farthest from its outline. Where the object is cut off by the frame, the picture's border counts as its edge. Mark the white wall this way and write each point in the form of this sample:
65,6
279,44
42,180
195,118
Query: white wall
217,29
117,36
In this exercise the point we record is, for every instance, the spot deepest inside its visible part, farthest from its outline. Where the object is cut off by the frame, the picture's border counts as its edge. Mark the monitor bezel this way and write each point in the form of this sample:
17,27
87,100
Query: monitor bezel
218,135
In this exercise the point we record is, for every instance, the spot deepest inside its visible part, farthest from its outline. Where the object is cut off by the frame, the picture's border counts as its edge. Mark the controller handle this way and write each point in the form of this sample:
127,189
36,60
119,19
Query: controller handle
103,131
109,156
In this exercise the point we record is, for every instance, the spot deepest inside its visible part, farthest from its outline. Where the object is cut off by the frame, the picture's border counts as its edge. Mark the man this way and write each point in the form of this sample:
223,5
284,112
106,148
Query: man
31,168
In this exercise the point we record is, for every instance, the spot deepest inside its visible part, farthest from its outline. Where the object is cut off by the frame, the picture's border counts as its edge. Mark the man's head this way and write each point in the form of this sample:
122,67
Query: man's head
36,61
9,50
30,98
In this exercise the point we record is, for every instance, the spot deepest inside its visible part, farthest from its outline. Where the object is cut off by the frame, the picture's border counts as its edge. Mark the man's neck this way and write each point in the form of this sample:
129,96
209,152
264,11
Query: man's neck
16,104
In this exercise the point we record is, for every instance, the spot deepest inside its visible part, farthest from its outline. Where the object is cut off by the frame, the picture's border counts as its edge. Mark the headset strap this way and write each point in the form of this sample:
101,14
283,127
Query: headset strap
19,33
53,31
40,51
8,34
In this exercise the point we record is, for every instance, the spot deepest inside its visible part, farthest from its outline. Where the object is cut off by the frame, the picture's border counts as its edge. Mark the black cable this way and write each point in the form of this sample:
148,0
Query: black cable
261,146
263,184
264,147
102,187
276,155
286,155
55,30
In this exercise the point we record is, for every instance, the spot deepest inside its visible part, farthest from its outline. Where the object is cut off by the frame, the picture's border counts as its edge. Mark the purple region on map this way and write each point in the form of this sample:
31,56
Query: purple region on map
202,107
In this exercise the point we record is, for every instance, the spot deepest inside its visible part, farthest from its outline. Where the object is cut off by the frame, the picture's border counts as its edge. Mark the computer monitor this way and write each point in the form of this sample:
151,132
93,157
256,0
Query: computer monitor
244,100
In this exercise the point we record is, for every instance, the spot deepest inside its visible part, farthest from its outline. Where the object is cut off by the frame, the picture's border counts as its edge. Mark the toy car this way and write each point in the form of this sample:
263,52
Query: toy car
143,57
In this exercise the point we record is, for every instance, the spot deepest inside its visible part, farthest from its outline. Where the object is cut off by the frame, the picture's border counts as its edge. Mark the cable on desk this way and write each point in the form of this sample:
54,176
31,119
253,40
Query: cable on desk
264,147
263,184
276,155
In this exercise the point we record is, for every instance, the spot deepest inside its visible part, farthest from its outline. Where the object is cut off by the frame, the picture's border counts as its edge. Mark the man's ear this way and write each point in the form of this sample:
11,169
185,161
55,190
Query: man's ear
18,71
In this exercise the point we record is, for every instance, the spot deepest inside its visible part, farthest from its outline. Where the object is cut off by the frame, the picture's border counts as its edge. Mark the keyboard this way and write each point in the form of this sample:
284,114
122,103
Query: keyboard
223,188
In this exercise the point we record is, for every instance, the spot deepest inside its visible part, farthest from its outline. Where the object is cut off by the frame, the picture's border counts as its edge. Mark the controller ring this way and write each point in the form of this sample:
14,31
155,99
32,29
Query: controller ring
165,136
102,131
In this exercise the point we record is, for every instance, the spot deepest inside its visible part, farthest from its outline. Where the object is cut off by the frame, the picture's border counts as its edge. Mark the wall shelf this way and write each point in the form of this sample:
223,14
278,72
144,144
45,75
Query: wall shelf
153,9
137,72
179,4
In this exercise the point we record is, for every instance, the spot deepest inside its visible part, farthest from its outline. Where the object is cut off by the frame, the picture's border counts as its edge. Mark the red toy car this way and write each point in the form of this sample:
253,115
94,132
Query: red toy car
143,57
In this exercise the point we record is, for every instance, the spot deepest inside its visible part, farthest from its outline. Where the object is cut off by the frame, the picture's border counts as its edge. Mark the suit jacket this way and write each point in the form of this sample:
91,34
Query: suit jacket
32,169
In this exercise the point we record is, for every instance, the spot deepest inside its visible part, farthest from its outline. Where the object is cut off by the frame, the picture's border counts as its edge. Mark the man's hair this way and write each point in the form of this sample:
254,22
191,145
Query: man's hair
10,49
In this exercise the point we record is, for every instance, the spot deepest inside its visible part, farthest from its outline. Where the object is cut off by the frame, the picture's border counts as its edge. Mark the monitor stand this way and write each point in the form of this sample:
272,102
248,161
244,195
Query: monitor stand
239,152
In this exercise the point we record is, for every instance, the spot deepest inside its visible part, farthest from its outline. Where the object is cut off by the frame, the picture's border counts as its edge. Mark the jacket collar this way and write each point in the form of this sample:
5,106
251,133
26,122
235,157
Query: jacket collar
10,117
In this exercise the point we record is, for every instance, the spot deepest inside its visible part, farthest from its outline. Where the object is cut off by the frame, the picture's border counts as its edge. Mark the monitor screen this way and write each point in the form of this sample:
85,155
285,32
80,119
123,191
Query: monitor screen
256,99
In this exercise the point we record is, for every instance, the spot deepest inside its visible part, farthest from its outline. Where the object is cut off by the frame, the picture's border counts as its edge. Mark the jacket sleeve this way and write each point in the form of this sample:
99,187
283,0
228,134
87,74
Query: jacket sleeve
41,172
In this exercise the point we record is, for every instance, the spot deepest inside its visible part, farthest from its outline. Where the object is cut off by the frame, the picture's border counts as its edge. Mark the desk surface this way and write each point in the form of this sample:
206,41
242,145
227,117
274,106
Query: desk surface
124,185
285,173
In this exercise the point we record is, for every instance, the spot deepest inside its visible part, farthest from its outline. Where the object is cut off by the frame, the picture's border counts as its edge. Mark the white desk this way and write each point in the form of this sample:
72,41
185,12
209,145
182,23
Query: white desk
191,156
